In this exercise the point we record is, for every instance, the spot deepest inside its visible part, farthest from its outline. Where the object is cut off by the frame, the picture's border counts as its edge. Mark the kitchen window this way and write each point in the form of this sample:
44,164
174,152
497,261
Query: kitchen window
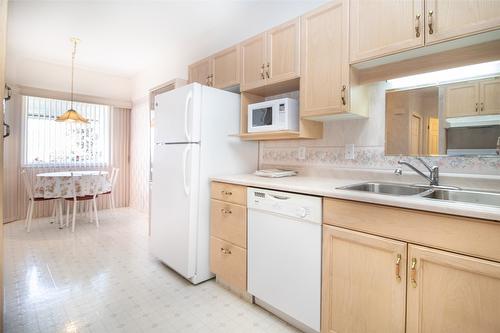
50,143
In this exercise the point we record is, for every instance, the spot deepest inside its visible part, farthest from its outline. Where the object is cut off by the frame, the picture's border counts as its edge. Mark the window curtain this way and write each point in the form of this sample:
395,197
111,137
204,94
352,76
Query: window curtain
15,197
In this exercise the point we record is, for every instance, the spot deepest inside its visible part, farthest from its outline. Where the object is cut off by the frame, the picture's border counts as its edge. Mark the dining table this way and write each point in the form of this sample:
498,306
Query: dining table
68,184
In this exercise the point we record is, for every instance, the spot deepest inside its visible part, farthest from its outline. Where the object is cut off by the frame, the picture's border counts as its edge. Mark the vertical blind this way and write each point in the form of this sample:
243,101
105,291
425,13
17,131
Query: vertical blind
51,143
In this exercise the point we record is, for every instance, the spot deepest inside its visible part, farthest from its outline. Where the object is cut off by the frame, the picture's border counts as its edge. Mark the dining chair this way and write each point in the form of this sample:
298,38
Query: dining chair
88,199
112,180
32,200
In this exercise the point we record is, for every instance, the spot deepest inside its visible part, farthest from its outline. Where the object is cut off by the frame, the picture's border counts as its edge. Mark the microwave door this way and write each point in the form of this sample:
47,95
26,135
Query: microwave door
262,119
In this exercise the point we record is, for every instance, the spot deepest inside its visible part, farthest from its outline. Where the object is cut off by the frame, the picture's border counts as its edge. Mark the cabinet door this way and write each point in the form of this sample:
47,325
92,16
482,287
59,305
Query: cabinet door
283,52
451,293
201,72
226,68
490,97
364,283
384,27
457,18
253,54
324,60
462,100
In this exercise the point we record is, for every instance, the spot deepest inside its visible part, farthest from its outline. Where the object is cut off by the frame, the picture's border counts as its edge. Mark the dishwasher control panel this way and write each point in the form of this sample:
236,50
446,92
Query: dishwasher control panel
304,207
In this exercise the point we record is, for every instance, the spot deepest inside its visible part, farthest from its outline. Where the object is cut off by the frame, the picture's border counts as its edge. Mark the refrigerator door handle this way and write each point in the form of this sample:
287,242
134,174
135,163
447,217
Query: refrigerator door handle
186,111
184,165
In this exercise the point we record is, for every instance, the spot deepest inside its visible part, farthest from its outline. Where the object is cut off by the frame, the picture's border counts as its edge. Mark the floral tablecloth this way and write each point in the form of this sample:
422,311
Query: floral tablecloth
65,184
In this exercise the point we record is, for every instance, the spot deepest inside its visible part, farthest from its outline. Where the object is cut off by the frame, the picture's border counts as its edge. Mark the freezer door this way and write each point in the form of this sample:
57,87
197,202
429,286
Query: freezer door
177,115
174,206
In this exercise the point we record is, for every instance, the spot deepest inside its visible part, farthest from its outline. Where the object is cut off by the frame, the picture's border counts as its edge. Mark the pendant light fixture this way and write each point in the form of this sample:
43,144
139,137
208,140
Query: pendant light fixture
71,115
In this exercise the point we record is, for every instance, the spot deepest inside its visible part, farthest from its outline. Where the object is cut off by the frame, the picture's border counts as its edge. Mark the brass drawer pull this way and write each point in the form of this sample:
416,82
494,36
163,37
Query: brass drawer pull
482,107
268,69
223,192
477,105
226,211
262,75
417,26
225,251
398,265
342,94
431,31
414,273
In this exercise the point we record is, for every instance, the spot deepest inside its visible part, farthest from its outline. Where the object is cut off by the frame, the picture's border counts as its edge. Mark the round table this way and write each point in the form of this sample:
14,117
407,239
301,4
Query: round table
68,184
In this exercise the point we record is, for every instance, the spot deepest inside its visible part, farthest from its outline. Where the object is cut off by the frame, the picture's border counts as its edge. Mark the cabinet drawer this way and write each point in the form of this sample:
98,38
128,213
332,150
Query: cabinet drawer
229,222
229,263
229,192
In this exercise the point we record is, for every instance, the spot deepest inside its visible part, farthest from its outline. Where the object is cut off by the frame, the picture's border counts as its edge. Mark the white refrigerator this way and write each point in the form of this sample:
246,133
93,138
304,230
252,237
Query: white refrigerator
193,125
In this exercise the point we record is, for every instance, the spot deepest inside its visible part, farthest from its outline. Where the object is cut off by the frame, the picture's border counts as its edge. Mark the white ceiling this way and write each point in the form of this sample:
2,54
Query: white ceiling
126,37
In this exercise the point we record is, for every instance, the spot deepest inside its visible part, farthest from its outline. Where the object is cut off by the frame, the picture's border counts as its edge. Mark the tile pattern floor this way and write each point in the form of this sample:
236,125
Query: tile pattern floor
105,281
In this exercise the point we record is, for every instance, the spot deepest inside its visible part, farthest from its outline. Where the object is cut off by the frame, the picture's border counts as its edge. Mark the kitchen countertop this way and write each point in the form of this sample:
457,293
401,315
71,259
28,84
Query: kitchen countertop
327,187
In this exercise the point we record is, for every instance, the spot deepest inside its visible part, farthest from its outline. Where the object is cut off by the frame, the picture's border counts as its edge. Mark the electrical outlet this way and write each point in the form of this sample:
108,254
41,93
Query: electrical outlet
301,155
349,151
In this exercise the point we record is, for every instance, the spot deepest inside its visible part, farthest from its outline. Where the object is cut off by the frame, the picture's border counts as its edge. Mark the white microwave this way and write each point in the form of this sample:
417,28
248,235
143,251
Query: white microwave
276,115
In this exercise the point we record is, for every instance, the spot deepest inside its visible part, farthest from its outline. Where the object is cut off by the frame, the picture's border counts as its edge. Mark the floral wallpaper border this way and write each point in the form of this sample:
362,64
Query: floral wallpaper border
372,158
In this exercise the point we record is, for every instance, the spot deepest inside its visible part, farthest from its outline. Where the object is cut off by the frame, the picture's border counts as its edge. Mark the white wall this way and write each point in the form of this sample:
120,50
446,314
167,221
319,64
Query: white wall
49,76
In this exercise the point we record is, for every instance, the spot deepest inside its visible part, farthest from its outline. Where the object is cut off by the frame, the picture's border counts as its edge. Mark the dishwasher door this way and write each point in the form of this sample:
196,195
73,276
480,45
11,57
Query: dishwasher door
284,264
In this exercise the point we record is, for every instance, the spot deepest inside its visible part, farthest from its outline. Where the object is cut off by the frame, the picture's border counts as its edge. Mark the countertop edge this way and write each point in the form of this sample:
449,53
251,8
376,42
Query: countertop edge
415,203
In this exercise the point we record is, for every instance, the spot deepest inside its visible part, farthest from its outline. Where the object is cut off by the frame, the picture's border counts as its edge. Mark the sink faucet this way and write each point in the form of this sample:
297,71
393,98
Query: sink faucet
433,177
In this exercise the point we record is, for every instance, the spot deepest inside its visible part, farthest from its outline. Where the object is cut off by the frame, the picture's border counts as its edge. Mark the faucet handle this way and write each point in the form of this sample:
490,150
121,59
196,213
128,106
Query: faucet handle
398,171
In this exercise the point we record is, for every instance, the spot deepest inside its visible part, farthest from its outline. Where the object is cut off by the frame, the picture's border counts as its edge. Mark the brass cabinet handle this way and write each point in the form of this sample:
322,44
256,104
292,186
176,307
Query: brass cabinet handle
398,266
225,251
262,76
413,276
207,81
226,211
482,107
268,70
431,31
223,192
211,82
417,26
342,94
477,107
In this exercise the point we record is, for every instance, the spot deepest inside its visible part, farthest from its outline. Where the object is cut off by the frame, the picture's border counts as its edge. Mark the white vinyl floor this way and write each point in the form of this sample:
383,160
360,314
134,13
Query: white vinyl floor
106,281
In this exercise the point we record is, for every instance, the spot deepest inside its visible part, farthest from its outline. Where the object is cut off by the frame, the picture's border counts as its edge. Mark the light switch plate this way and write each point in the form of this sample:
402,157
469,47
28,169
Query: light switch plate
349,151
301,155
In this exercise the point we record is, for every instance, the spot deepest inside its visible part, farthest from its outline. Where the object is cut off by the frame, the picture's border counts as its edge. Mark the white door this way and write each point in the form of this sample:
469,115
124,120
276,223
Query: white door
177,115
174,206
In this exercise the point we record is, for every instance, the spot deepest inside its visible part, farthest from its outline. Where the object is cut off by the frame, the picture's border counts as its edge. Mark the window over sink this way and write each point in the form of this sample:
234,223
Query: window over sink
50,143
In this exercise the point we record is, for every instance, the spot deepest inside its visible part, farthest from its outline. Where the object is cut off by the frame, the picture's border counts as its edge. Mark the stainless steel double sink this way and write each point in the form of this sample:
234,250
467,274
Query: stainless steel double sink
429,192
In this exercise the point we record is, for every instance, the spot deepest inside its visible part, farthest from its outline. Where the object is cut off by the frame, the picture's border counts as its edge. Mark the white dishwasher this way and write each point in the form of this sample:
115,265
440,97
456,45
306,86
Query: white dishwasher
284,254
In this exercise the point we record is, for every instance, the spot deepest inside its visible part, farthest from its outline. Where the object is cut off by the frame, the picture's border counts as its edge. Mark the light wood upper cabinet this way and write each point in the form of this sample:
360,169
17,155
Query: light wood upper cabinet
201,72
325,65
447,19
489,92
474,98
271,57
253,55
283,52
451,293
462,100
226,68
364,283
378,28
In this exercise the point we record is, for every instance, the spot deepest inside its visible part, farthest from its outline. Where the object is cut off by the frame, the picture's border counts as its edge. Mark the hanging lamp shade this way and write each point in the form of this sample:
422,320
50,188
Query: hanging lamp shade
72,115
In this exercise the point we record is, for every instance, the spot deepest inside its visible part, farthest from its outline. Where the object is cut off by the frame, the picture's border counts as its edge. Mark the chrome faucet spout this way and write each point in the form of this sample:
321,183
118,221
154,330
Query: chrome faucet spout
433,177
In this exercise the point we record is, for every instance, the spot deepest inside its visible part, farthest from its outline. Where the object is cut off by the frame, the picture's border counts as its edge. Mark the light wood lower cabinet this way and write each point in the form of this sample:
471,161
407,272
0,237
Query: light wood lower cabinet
228,234
229,263
438,290
364,283
451,293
